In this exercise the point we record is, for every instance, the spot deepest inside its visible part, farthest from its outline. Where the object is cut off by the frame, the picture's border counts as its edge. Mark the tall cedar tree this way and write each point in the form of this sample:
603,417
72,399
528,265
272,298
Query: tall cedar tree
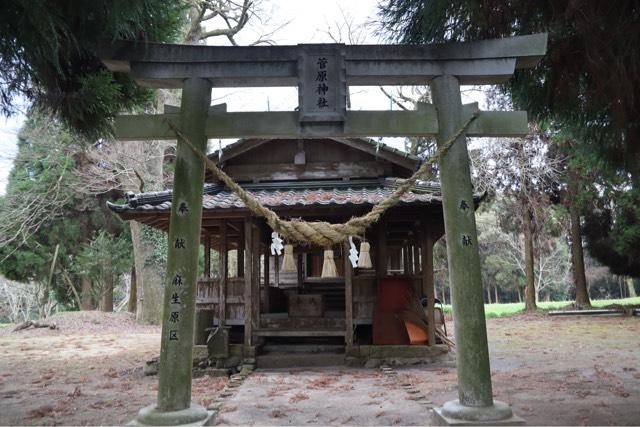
48,54
586,86
42,210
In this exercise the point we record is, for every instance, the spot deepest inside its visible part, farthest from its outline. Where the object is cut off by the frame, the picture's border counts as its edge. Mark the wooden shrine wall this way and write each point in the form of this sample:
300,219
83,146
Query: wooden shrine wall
209,295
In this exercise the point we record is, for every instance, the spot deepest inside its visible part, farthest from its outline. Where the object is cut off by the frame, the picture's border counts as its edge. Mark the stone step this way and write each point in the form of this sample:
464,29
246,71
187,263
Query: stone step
303,348
299,332
299,360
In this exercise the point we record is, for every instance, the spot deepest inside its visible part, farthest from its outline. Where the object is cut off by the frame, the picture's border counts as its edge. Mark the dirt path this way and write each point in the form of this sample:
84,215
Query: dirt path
331,396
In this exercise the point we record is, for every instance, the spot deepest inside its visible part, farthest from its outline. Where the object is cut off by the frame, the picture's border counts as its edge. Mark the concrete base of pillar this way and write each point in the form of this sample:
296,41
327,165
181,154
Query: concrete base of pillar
454,413
195,415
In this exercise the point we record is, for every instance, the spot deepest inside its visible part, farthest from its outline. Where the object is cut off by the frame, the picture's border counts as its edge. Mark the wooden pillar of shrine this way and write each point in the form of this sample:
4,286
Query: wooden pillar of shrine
348,296
428,288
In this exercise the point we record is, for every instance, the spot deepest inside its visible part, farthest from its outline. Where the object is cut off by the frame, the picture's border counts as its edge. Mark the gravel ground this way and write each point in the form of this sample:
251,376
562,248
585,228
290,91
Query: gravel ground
554,371
79,323
86,372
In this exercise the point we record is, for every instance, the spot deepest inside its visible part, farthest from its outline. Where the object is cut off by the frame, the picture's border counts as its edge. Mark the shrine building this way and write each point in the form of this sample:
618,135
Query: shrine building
265,307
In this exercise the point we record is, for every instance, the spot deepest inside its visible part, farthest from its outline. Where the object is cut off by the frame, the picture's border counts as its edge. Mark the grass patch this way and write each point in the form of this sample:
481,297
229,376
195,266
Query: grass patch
509,309
623,301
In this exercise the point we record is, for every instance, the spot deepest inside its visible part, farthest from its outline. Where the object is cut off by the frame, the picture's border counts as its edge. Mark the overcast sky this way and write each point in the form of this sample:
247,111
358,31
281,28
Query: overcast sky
295,21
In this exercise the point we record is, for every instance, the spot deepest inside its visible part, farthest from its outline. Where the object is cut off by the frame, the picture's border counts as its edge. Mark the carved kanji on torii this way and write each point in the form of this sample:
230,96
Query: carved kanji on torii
323,74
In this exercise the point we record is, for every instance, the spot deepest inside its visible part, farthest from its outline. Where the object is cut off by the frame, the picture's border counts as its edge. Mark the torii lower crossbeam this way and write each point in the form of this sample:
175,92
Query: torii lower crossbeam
357,124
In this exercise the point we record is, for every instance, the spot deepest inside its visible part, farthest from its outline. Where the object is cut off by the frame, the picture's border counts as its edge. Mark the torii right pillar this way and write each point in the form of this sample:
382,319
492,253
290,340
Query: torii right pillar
475,402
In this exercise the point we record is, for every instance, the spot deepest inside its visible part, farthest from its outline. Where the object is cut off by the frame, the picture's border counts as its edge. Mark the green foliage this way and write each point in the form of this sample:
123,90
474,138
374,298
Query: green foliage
612,228
104,260
608,198
38,194
158,239
502,252
48,54
42,207
584,91
588,78
509,309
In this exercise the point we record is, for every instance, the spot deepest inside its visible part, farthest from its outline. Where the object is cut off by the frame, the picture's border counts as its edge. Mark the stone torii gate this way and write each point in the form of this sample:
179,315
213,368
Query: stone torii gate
323,73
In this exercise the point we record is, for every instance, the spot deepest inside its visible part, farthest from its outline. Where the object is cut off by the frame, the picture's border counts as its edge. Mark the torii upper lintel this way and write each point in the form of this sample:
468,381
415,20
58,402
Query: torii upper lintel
473,63
322,73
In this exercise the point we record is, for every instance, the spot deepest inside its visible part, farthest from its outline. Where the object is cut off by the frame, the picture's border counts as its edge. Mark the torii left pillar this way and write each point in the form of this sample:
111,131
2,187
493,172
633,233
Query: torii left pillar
174,405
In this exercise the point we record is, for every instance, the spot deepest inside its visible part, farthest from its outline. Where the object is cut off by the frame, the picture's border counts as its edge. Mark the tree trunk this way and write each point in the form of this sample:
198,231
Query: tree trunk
530,296
495,289
577,254
87,304
85,281
633,159
148,271
106,304
488,294
519,294
530,288
150,290
107,297
131,305
44,302
72,287
631,290
620,289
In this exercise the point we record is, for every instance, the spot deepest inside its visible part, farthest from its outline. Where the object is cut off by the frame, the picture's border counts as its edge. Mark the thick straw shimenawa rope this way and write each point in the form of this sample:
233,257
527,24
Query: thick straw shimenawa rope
319,232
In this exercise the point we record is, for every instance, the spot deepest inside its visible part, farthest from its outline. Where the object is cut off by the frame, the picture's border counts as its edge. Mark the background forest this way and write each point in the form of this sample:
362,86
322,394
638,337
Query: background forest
572,184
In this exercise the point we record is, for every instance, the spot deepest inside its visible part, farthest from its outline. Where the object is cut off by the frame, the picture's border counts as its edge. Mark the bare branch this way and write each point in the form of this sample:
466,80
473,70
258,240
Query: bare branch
394,99
235,17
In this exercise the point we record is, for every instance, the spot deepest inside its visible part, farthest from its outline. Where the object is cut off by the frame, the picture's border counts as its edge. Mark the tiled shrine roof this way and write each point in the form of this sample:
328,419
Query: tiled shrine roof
290,194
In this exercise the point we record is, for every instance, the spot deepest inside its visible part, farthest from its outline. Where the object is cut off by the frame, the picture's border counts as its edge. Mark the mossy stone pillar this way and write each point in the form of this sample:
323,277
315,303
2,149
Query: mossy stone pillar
475,401
176,350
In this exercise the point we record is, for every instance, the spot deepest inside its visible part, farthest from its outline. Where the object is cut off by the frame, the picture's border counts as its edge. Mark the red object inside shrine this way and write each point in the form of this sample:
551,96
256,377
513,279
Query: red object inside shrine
388,326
